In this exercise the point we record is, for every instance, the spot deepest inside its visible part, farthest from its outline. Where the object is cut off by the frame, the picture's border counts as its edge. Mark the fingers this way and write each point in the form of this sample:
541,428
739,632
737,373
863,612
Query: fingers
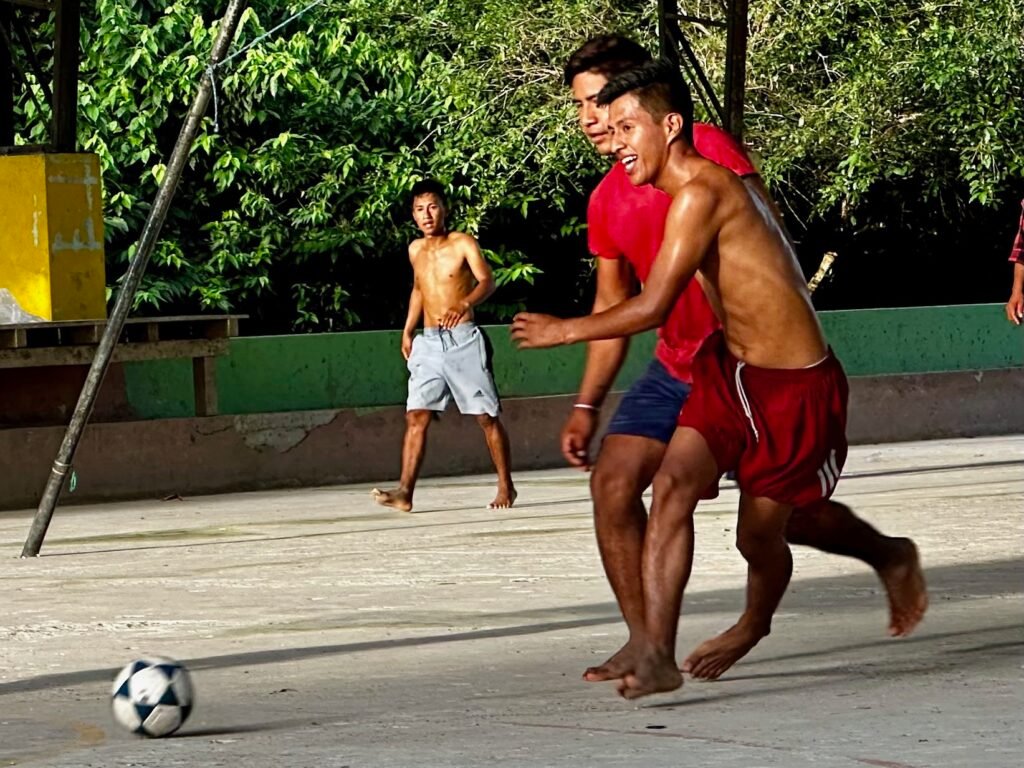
576,436
573,444
521,330
519,324
574,454
451,318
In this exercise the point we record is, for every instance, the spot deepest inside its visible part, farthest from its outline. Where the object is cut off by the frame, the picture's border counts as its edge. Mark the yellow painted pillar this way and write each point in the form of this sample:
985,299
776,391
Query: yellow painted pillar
51,235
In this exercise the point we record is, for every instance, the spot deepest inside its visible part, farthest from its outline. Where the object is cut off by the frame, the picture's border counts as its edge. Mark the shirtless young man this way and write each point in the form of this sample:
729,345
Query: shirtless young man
625,225
769,397
451,358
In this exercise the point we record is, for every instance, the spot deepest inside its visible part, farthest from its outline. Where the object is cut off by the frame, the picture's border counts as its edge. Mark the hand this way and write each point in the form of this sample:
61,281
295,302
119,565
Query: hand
454,315
576,436
1015,307
406,345
533,331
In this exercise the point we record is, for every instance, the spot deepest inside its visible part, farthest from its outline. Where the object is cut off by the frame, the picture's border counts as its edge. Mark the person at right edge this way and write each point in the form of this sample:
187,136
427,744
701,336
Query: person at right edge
1015,306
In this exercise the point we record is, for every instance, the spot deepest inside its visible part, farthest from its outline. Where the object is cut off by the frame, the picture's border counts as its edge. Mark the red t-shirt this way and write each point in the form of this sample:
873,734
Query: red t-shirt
627,221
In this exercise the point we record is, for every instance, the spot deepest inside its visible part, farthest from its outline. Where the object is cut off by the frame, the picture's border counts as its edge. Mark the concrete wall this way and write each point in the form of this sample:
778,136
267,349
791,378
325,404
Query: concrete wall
355,370
190,456
310,410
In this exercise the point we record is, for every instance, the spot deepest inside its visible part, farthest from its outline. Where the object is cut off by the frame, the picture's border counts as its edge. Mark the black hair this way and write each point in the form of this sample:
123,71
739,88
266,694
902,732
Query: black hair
659,87
428,187
608,55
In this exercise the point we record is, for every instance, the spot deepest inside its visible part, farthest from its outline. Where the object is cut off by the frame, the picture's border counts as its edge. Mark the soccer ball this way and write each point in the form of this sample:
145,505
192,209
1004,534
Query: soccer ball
152,696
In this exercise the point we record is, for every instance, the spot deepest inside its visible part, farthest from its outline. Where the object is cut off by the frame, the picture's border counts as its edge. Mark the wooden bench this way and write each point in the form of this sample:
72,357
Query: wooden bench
203,338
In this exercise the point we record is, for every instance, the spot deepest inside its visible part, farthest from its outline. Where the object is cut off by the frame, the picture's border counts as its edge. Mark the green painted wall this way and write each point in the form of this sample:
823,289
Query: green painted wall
160,389
336,370
924,339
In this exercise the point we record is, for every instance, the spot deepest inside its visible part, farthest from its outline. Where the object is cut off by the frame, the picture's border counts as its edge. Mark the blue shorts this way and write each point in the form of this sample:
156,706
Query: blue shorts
650,408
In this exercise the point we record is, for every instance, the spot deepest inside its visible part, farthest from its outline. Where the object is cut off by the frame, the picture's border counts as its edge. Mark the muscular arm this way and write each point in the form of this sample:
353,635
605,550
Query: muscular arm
689,231
604,358
412,319
481,271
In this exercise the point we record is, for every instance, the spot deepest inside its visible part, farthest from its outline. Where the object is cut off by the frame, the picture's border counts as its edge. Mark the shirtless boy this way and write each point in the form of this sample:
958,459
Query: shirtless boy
451,358
769,397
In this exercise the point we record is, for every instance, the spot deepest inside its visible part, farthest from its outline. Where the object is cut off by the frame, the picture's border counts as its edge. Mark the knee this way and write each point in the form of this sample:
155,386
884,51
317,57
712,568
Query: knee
610,483
756,544
676,484
487,422
417,421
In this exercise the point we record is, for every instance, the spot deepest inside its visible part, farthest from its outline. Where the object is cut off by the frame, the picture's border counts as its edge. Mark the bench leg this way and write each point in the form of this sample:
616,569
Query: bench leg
204,380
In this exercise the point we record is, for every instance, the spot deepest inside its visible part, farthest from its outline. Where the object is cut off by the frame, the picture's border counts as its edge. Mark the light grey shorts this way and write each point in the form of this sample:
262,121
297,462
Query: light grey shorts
456,363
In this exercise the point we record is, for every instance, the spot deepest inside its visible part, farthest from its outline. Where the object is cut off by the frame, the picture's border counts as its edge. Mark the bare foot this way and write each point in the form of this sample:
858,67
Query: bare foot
621,662
908,595
713,657
396,499
505,498
654,673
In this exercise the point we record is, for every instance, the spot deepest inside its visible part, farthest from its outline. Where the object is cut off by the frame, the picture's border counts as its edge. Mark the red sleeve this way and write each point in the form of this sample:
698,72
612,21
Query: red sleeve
599,241
1017,253
720,147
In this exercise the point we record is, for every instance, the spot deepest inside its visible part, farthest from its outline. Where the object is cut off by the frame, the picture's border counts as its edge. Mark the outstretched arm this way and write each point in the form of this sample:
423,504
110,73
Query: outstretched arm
690,229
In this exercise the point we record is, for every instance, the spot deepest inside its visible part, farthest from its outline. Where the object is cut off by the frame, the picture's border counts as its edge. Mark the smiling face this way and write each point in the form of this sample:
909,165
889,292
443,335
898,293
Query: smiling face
638,140
593,120
428,212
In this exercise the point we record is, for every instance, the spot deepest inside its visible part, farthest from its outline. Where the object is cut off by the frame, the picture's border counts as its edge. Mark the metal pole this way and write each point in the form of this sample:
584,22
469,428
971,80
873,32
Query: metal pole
148,238
68,22
668,10
6,82
736,67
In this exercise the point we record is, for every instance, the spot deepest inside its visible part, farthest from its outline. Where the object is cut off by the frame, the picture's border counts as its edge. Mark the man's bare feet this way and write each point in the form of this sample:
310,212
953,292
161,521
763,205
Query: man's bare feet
396,499
905,586
623,661
653,673
713,657
506,498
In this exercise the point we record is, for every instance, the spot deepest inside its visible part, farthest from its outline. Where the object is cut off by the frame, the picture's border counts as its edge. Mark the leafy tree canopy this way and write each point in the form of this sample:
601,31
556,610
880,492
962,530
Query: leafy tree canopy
892,132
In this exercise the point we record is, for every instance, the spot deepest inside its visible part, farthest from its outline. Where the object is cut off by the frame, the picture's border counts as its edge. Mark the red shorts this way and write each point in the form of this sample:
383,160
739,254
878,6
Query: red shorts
782,430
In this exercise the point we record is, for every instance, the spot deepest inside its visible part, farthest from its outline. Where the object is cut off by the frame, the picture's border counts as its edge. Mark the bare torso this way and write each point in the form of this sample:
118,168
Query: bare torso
752,278
442,274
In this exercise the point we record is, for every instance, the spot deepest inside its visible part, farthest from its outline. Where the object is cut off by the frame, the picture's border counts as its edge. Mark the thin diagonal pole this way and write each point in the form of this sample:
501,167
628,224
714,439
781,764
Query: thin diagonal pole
147,240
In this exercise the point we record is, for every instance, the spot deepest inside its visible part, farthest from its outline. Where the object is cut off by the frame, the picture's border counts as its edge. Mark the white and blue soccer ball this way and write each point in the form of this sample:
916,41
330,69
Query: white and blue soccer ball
152,696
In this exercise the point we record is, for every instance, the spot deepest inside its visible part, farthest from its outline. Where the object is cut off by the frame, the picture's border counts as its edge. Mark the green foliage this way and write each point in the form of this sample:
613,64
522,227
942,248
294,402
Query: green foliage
296,211
870,116
883,110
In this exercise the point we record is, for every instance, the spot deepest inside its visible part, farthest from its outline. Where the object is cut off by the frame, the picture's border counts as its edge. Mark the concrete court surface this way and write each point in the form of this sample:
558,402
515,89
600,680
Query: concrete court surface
322,630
